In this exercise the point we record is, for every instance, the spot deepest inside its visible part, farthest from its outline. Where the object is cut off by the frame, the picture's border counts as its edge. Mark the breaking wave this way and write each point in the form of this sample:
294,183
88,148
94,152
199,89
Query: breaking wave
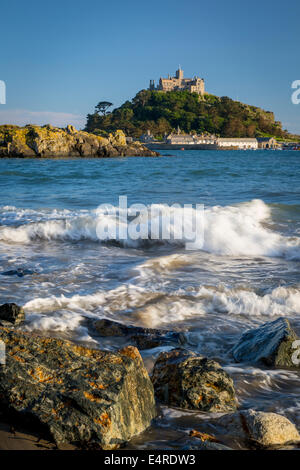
241,230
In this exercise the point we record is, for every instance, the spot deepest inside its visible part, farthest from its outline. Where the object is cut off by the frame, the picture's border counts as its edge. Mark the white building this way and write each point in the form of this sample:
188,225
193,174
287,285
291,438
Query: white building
242,143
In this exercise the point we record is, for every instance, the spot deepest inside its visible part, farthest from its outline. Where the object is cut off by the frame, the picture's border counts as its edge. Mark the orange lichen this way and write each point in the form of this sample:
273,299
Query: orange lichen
217,389
132,352
200,398
97,386
39,375
91,397
104,420
203,436
17,358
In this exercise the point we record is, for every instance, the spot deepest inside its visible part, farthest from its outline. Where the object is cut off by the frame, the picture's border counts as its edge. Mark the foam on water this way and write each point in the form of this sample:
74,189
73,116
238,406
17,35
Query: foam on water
154,308
58,323
231,230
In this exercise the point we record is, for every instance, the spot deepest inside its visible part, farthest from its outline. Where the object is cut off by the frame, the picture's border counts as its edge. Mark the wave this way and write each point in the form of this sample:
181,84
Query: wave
153,308
241,230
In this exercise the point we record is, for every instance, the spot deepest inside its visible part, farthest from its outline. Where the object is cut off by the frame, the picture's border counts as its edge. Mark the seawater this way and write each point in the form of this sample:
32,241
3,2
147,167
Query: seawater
246,272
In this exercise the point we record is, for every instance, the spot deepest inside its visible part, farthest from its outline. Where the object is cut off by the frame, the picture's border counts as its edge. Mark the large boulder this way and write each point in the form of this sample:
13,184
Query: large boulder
143,338
78,395
265,429
183,379
271,344
118,138
12,313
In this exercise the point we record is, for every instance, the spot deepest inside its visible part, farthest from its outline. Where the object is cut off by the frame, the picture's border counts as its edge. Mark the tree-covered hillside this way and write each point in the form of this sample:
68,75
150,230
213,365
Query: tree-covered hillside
161,112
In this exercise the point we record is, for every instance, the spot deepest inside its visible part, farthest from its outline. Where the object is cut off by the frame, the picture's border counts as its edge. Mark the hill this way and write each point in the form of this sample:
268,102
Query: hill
161,112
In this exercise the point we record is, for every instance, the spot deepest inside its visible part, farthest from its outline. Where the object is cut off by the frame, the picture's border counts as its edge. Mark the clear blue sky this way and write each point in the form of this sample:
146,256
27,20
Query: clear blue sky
59,58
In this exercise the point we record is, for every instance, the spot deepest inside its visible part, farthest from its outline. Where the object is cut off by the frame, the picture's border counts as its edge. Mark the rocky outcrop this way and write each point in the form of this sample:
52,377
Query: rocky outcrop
143,338
49,141
271,344
78,395
11,313
183,379
265,429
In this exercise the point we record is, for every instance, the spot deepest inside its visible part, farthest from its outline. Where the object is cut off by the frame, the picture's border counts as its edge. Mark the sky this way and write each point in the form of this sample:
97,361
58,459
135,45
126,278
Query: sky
60,58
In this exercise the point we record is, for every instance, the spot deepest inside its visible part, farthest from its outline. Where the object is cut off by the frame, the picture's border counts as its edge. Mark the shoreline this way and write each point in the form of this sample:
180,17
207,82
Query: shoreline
48,141
35,361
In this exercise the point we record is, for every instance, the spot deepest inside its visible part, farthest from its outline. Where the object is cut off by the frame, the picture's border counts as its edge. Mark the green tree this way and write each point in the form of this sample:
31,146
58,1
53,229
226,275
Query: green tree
102,107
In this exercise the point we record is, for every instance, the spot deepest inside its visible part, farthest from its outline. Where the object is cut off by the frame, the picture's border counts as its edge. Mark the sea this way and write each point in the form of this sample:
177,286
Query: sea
59,263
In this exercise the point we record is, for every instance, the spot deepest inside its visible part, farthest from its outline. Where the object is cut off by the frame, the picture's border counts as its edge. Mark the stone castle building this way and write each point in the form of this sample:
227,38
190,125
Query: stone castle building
193,85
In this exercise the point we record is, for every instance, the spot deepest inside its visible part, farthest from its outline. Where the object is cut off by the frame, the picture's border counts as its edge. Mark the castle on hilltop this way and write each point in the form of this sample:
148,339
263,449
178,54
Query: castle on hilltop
193,85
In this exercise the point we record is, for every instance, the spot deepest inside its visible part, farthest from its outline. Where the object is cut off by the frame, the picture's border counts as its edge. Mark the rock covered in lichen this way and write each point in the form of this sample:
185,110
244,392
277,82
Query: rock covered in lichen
117,138
79,395
271,344
11,313
183,379
49,141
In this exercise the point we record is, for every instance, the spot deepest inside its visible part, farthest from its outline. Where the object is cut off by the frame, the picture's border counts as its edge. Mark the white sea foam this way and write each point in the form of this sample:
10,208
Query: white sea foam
152,308
231,230
57,323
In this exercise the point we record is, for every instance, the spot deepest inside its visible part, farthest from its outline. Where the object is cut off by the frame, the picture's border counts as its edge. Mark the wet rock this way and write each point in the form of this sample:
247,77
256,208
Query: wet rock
205,446
12,313
183,379
17,272
143,338
270,344
265,429
81,396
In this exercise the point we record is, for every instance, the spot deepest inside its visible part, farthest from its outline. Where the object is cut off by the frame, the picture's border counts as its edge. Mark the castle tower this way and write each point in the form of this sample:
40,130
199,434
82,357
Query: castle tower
152,85
179,74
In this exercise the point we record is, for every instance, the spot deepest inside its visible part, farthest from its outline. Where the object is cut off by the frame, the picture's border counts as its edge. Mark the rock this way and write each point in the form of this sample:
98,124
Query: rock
12,313
143,338
17,272
182,379
118,138
270,344
266,429
203,436
49,141
205,446
78,395
71,129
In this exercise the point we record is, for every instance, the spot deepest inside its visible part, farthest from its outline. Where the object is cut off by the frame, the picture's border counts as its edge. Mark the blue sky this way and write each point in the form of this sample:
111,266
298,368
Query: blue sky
60,58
